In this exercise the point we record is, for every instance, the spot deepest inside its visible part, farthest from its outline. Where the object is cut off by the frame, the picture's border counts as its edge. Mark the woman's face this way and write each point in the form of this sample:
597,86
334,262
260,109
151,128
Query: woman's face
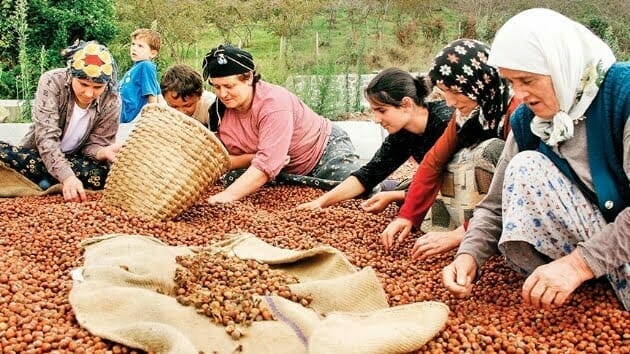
535,90
187,105
391,118
458,100
234,92
86,91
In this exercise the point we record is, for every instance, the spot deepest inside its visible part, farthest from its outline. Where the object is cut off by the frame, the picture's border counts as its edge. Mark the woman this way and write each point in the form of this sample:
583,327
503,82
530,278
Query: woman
483,103
266,129
558,207
75,120
398,101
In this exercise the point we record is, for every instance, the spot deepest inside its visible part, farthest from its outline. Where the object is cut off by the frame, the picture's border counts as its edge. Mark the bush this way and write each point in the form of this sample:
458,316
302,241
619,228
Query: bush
51,25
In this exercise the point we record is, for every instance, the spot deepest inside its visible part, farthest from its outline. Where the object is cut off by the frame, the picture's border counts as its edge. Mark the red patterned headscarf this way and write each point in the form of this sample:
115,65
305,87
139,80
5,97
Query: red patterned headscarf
91,61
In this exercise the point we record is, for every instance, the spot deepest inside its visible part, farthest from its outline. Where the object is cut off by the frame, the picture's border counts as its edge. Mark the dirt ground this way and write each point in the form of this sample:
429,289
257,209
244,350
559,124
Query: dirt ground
40,245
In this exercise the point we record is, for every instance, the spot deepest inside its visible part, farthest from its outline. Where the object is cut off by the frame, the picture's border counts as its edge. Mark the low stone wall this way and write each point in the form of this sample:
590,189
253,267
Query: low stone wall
11,110
332,95
367,137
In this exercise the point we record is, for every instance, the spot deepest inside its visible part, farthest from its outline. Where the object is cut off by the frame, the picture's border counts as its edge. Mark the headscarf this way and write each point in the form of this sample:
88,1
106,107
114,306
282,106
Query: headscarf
226,60
542,41
91,61
462,67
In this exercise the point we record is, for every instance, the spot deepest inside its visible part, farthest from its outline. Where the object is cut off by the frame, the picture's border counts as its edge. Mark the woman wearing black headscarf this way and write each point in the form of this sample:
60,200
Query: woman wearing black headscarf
269,132
484,103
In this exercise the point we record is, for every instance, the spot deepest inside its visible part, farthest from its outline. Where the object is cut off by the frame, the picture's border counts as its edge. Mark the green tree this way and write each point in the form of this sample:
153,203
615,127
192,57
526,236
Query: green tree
284,19
51,25
180,23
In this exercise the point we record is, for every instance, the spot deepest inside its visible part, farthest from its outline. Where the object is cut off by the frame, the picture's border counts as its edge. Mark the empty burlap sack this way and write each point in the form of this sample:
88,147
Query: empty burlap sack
124,293
467,179
13,184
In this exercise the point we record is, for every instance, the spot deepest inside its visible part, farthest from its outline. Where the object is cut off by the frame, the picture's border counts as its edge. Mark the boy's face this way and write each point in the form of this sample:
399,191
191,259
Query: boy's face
140,50
186,105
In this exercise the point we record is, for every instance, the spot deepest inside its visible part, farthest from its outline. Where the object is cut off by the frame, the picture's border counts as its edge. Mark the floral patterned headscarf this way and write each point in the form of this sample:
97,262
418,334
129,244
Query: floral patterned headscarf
542,41
91,61
462,67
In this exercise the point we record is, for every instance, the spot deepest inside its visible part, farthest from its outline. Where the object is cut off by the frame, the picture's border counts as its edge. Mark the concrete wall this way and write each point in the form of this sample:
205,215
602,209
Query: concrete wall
366,136
11,110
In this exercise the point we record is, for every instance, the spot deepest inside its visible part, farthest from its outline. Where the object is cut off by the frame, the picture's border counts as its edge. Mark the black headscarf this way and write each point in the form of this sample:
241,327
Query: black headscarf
224,60
227,60
462,67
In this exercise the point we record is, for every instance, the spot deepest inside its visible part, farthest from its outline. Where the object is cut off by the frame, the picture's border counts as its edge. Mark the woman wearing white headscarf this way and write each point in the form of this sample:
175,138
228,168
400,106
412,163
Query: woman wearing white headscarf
558,208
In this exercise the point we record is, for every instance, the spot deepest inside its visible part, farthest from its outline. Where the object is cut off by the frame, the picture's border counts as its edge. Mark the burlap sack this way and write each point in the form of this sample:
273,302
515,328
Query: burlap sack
467,180
124,294
13,184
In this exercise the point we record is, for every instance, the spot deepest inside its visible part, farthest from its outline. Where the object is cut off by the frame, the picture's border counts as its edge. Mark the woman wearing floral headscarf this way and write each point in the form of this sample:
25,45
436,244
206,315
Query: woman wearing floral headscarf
558,207
483,103
75,120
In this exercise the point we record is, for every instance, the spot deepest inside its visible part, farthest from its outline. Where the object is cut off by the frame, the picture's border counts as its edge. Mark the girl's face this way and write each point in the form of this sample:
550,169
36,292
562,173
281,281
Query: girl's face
187,105
391,118
458,100
535,90
234,92
86,91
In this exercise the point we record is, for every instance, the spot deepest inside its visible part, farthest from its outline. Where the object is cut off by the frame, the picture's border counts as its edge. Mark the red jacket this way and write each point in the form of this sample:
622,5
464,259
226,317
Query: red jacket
428,178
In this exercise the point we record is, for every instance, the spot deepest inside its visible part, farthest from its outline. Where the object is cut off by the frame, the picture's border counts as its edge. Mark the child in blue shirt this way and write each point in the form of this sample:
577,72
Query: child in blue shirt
139,85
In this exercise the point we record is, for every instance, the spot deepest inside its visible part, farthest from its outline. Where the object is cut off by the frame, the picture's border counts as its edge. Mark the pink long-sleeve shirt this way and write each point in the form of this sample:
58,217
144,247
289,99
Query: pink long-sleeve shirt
277,124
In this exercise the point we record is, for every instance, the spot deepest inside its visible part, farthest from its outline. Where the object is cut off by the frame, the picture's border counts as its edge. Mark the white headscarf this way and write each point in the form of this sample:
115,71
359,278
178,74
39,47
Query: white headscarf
542,41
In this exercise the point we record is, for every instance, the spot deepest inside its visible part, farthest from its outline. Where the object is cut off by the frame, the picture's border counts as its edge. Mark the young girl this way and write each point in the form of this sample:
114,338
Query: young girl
75,120
398,101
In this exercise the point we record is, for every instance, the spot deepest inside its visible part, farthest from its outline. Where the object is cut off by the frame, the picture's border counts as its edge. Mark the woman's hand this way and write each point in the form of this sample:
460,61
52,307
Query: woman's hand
222,197
434,243
551,284
312,205
459,275
400,227
377,202
108,153
381,200
72,189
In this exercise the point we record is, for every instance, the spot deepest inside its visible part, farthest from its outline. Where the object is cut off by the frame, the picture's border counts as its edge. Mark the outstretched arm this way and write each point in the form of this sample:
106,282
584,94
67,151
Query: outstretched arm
246,184
428,178
349,188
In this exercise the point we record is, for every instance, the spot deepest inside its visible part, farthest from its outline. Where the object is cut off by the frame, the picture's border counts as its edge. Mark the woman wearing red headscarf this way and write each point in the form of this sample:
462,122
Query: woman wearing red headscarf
75,120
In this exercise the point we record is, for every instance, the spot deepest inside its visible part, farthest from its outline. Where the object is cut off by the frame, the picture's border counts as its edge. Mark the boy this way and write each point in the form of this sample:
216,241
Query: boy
182,88
139,85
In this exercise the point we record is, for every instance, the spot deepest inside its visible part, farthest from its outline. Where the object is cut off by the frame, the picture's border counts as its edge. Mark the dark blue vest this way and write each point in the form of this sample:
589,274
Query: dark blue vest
605,121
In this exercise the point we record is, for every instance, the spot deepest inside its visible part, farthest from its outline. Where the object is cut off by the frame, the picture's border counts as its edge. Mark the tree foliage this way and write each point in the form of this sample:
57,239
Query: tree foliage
180,23
51,25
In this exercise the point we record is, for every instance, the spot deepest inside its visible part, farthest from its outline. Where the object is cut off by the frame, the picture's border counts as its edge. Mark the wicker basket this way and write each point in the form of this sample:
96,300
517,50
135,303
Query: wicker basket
167,162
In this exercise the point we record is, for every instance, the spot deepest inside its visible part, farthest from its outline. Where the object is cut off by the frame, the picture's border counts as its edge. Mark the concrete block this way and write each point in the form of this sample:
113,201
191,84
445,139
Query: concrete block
367,137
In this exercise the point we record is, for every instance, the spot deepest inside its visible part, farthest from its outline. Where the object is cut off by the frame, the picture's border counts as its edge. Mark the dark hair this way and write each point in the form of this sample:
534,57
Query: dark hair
182,81
391,85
